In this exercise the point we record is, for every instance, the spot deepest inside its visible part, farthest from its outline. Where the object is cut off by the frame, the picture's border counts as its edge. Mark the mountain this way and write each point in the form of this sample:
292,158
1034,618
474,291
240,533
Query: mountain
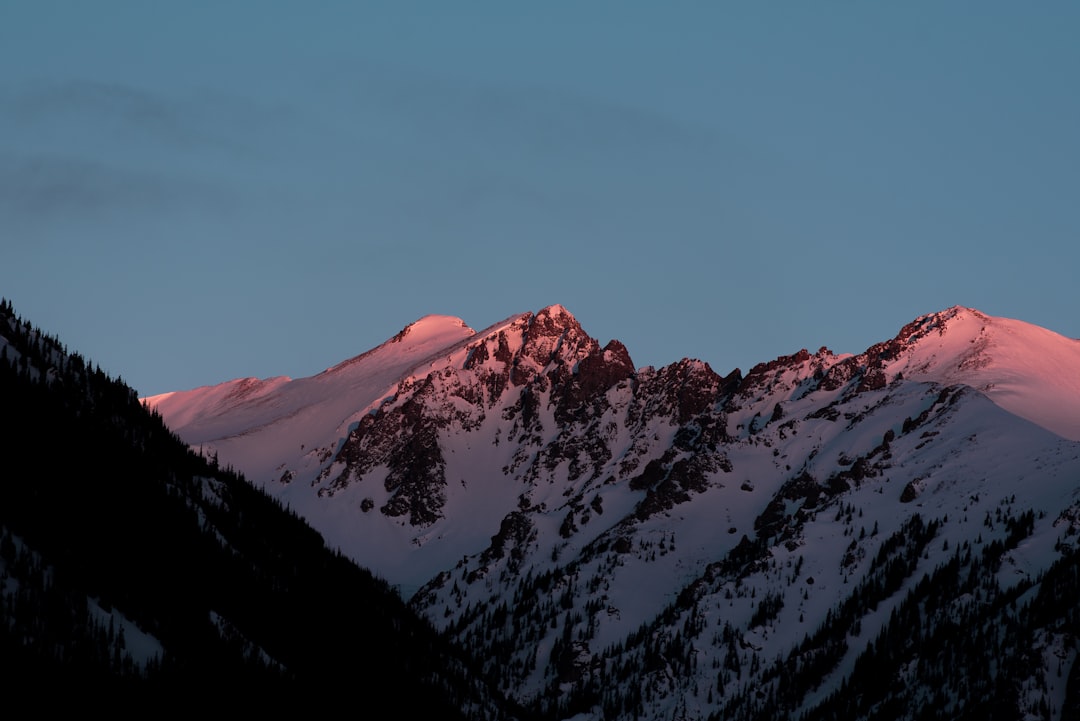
883,535
132,568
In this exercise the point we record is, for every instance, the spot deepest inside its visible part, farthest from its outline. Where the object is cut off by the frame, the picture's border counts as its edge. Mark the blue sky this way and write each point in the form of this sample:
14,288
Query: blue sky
192,192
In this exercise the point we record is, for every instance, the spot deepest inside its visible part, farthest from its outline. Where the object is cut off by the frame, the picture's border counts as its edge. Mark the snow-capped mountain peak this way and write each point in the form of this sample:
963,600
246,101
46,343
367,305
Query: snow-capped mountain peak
433,330
1027,370
566,515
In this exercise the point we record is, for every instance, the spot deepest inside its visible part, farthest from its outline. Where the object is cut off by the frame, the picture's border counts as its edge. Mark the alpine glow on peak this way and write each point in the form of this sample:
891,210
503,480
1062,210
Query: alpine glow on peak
527,467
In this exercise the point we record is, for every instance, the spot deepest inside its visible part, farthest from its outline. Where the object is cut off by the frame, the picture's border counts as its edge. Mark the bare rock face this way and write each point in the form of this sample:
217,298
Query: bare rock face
405,440
603,369
562,399
580,388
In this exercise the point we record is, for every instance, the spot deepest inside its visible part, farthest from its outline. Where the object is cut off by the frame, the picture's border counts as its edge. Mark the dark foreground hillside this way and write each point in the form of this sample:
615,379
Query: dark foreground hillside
130,564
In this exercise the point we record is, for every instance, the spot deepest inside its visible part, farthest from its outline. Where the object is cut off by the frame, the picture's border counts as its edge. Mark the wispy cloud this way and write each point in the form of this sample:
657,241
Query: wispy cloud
42,190
477,152
540,118
82,150
103,109
198,121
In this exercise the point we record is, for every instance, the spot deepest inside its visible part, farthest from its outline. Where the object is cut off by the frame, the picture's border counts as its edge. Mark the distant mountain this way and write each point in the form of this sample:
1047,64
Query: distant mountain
884,535
129,564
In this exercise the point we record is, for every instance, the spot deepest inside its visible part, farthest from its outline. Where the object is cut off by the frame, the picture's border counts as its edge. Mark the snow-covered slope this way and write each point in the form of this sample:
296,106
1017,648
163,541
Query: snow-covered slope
1027,370
572,519
257,425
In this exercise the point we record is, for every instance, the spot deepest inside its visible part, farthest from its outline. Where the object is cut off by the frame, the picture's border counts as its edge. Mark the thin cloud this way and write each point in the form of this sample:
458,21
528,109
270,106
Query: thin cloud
474,149
543,119
37,190
202,120
83,150
105,107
